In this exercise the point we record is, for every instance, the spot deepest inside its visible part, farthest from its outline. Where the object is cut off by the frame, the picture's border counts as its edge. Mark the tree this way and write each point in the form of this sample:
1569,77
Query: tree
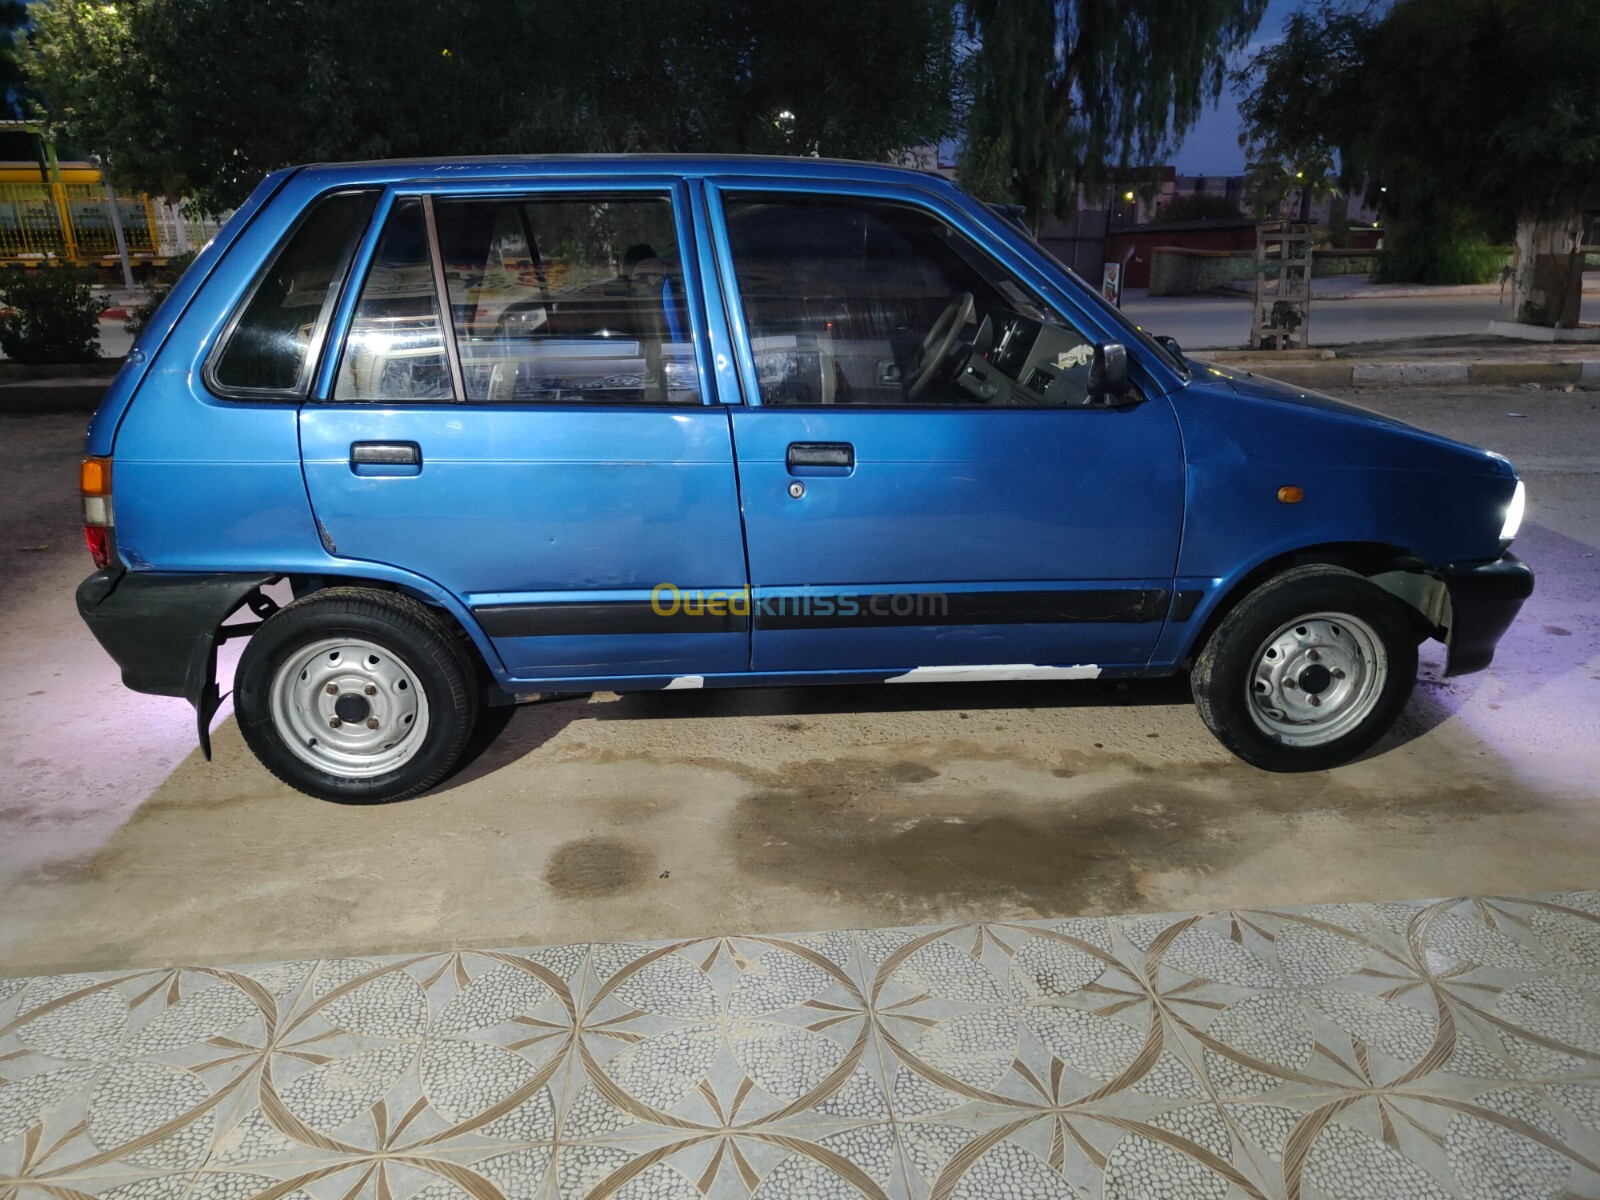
1199,206
1471,116
1294,110
1062,92
201,97
13,24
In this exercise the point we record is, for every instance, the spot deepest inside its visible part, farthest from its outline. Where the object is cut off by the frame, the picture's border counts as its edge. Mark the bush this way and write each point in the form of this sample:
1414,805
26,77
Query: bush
160,284
54,317
1438,255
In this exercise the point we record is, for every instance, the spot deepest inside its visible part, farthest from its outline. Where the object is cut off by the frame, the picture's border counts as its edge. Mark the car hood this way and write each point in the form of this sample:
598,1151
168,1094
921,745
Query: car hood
1247,383
1259,387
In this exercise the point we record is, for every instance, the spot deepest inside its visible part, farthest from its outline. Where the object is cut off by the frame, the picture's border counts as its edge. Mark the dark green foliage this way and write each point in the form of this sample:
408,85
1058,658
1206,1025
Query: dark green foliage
53,317
1437,253
160,285
1301,102
201,99
1198,206
13,89
1464,117
1063,92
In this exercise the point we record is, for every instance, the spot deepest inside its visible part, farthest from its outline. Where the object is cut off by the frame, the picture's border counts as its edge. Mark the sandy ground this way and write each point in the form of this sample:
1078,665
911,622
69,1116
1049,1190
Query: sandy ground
705,812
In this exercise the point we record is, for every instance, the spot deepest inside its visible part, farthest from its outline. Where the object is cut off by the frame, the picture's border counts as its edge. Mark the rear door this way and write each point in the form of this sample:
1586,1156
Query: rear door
518,413
915,519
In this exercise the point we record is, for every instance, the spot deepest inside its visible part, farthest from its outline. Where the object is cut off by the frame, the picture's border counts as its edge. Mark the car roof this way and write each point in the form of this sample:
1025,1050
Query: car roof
396,170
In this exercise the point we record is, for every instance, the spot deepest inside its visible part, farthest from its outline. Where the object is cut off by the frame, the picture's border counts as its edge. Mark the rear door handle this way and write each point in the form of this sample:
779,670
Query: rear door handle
821,458
385,458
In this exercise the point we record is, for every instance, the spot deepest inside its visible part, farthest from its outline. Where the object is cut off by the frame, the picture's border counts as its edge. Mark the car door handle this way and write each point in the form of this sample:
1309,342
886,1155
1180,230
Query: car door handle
821,458
385,458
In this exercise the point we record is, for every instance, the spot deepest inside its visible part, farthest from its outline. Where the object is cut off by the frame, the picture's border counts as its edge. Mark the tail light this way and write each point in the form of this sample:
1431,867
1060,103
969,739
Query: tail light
94,482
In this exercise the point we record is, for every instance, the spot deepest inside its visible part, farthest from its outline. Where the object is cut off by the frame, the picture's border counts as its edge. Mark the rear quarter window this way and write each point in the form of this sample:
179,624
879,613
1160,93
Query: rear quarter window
268,349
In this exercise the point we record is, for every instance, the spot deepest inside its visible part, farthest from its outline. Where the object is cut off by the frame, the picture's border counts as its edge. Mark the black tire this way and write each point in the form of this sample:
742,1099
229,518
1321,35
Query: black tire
1227,669
424,650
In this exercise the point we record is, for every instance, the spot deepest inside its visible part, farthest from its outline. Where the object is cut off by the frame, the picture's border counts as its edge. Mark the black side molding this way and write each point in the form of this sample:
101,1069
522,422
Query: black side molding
161,628
582,619
731,611
1183,605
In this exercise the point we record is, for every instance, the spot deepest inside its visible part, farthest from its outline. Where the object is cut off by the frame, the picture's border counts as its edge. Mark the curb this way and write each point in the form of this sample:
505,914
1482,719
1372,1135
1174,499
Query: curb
32,397
1584,374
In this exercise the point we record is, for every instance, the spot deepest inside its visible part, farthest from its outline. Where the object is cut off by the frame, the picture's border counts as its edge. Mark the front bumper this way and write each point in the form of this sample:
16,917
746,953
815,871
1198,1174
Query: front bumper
162,630
1484,599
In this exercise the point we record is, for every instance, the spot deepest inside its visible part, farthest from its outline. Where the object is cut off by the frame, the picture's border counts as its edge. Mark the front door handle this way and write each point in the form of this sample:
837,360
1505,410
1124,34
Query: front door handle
821,458
385,458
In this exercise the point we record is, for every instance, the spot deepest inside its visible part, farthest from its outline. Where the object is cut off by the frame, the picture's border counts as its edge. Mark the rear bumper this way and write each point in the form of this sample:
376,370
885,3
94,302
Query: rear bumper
1484,599
162,629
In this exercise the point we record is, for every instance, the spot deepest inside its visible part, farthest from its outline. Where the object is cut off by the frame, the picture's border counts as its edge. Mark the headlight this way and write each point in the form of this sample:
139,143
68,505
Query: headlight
1513,521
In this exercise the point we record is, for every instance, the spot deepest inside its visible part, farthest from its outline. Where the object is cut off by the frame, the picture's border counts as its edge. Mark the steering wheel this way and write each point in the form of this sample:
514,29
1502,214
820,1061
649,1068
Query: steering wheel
951,321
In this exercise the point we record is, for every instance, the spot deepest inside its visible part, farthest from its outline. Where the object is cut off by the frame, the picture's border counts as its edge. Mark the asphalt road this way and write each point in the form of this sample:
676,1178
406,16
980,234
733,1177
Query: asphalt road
705,812
1223,322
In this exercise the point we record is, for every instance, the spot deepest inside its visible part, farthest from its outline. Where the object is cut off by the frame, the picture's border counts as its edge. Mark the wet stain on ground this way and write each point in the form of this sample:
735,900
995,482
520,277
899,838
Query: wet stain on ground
595,867
853,829
855,834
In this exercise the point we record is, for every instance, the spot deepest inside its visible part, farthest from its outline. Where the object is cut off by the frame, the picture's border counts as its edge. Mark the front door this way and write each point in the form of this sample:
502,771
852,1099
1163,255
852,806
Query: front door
928,489
547,453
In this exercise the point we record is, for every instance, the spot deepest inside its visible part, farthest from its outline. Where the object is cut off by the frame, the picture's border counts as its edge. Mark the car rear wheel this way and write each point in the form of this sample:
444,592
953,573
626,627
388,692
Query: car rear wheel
1307,671
356,696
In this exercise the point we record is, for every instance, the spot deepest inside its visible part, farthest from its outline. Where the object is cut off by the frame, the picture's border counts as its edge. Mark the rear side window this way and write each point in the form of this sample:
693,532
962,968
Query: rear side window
394,350
552,300
271,345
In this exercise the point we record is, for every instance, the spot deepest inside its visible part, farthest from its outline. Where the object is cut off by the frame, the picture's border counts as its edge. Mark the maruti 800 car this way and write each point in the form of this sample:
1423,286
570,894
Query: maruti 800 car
528,425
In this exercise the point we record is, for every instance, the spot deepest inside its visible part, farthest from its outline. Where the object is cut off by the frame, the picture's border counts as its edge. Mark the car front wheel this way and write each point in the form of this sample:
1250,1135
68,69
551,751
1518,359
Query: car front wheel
1307,671
356,696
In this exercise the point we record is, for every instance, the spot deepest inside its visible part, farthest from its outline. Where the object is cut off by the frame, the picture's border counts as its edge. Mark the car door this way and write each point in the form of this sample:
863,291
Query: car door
926,514
548,452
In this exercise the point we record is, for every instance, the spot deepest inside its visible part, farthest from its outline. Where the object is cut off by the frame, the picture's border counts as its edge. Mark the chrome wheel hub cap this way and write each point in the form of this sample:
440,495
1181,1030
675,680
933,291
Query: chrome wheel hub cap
349,707
1316,679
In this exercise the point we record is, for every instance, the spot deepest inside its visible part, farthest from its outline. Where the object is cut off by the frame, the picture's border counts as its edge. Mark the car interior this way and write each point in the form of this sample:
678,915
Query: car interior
552,301
872,303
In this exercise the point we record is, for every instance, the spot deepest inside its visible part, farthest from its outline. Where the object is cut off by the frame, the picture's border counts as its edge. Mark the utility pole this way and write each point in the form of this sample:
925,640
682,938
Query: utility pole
116,230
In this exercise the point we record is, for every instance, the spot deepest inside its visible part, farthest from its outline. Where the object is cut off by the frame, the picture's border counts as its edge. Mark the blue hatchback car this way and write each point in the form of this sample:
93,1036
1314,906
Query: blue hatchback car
529,425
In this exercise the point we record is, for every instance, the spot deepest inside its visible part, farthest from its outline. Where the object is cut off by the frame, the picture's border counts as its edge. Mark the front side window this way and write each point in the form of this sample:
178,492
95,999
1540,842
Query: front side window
556,300
270,346
868,302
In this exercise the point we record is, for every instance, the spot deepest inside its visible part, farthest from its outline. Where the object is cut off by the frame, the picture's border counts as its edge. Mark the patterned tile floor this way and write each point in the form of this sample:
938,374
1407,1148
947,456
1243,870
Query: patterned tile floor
1353,1052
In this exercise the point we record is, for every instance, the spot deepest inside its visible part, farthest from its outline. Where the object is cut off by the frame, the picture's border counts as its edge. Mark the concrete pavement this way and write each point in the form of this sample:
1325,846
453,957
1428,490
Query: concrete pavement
1345,309
1223,322
755,811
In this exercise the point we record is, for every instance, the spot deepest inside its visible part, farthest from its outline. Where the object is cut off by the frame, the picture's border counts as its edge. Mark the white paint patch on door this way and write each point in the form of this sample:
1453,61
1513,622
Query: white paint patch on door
993,672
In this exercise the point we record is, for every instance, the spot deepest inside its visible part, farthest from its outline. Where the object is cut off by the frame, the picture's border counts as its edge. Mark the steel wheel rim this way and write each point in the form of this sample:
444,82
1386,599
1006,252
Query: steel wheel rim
350,707
1316,679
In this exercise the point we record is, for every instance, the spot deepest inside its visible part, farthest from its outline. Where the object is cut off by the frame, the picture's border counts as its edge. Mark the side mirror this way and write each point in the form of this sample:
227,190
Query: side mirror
1108,371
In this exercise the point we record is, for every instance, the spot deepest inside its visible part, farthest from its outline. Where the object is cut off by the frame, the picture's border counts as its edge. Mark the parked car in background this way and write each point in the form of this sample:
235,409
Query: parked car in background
527,425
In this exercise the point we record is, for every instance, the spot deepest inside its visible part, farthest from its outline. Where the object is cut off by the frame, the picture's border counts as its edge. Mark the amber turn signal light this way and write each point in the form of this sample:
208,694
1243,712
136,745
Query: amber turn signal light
94,477
1291,495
